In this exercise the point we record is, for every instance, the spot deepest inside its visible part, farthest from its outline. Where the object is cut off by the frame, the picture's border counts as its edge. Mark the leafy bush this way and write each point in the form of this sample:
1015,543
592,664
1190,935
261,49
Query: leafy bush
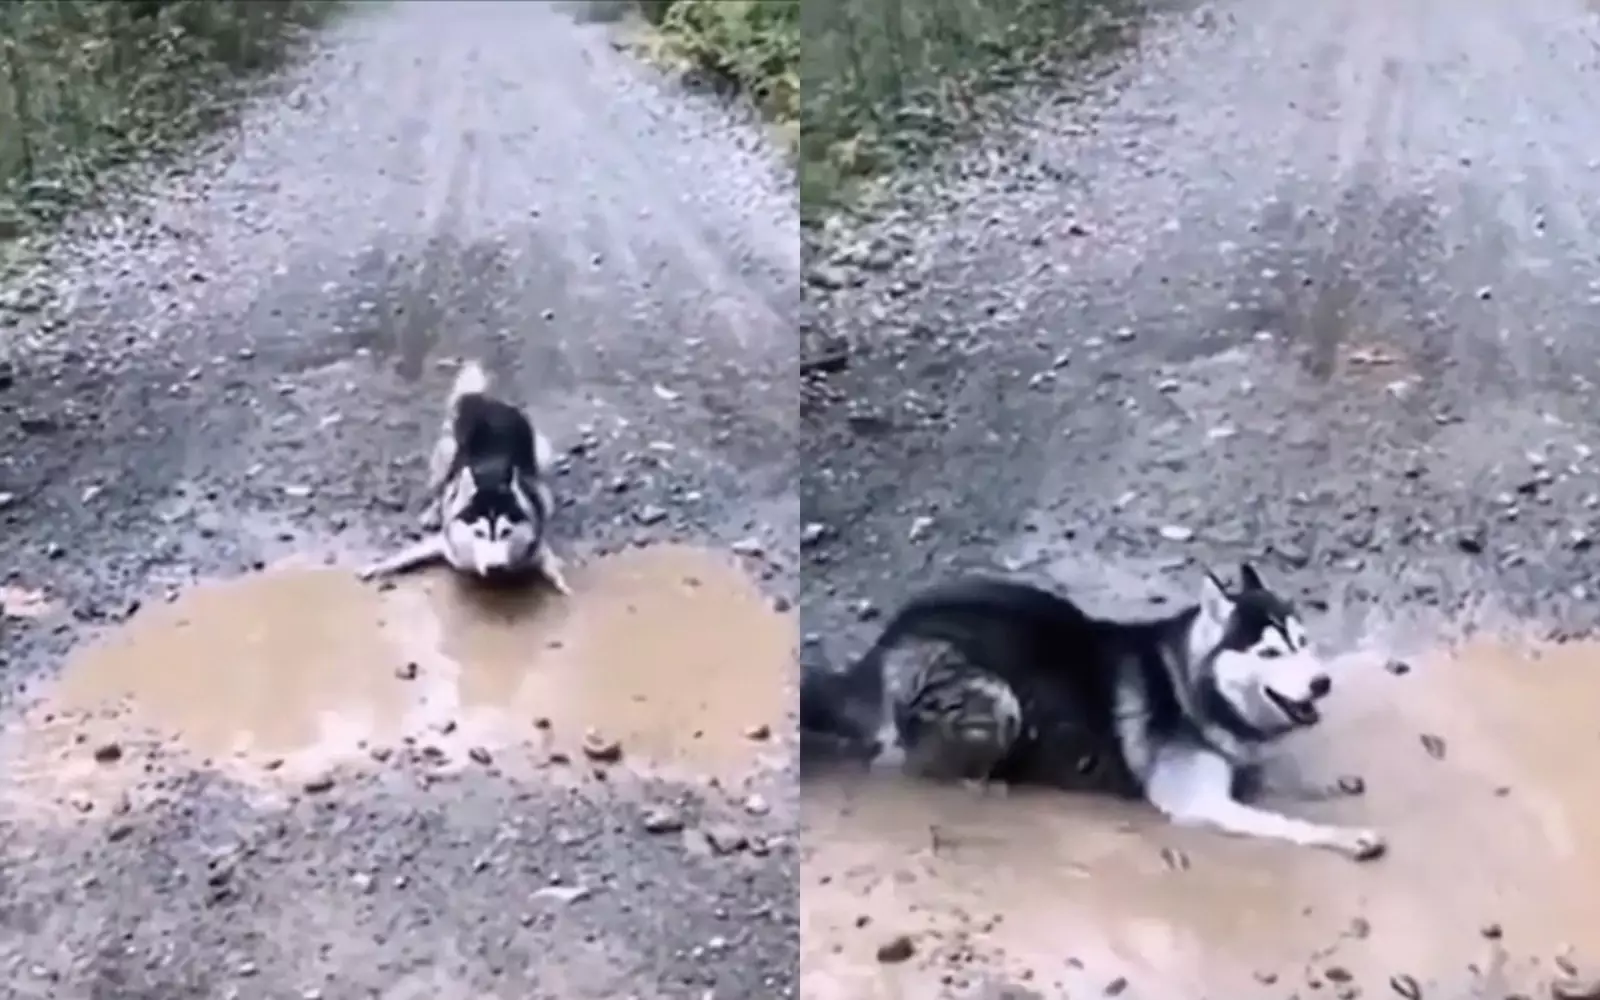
752,46
89,84
886,81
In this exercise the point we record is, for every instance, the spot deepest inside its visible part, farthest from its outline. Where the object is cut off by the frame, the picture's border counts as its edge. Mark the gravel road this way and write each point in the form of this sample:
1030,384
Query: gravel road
1309,284
245,366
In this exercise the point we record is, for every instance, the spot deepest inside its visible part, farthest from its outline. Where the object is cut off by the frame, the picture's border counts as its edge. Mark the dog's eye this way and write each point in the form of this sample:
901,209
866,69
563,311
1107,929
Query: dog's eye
1269,652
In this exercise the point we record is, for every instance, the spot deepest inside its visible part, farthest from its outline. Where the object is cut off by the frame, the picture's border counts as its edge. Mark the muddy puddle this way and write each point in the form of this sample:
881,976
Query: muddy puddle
668,655
1479,765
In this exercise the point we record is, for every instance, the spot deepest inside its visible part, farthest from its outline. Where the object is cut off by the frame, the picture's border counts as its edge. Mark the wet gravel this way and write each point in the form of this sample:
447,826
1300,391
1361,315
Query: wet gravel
244,365
1312,286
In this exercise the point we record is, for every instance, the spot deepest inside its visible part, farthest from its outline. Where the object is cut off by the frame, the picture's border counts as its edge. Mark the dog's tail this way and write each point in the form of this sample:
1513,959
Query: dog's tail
471,379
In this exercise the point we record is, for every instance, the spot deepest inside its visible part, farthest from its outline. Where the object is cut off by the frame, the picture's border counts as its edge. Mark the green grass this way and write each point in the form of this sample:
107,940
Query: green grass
751,47
886,82
87,85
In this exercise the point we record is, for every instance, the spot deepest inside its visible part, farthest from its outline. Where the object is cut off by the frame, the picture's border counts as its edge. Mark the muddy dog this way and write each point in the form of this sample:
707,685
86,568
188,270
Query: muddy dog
994,680
488,504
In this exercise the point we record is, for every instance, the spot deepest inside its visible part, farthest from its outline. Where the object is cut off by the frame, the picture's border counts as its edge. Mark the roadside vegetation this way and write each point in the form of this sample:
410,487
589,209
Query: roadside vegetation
88,85
749,47
885,82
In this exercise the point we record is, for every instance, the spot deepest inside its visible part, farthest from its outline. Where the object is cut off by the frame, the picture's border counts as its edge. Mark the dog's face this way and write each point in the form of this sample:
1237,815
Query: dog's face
1260,659
492,525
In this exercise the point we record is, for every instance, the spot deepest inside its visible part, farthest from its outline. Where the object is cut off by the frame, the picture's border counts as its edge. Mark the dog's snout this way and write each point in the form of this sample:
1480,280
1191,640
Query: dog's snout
1321,685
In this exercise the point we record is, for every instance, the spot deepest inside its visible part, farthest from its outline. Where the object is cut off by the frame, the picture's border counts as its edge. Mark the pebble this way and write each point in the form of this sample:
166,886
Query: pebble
563,894
1434,745
725,838
1177,533
650,514
897,949
600,748
1575,988
662,819
813,533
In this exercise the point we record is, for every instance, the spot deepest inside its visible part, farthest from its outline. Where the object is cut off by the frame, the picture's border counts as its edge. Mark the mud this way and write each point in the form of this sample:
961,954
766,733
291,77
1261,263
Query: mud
294,671
248,362
1476,763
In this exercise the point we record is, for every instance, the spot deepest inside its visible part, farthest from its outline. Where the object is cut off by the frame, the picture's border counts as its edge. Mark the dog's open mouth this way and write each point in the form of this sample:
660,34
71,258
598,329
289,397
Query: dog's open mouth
1301,713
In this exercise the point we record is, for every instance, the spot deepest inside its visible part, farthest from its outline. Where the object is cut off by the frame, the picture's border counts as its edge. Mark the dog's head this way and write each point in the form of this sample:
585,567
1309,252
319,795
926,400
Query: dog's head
493,524
1259,657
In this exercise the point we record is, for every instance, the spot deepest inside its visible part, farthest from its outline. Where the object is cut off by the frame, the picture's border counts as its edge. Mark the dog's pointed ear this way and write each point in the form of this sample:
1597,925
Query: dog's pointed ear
1215,604
1249,579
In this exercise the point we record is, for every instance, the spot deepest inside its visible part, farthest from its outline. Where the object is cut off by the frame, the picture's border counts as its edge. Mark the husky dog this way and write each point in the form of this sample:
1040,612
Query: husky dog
487,504
994,680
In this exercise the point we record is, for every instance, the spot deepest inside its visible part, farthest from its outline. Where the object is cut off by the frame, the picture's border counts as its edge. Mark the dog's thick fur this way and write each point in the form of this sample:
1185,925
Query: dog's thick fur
487,502
994,680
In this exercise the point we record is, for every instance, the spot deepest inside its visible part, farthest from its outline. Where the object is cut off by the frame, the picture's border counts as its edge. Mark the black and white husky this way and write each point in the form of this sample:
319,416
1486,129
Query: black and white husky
487,502
994,680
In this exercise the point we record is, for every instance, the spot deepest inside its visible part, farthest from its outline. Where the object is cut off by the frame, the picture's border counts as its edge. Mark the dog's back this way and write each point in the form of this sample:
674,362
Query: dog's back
489,431
494,502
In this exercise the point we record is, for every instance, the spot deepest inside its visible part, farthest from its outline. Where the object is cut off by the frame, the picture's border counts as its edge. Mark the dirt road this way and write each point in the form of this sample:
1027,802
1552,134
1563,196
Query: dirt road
230,770
1309,284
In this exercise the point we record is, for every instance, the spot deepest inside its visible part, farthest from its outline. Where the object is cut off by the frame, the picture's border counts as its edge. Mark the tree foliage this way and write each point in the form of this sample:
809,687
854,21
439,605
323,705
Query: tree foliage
752,46
887,81
89,84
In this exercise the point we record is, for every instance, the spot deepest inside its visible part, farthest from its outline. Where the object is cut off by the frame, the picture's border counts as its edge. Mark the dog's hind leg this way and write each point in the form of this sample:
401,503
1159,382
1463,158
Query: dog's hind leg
544,453
960,725
1194,787
430,549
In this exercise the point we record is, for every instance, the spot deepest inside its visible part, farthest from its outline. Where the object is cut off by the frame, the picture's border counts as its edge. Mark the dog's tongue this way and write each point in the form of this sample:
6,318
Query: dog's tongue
1301,713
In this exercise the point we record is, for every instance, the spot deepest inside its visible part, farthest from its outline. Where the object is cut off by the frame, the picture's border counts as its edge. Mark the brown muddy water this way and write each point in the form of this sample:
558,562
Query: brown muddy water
1479,764
669,652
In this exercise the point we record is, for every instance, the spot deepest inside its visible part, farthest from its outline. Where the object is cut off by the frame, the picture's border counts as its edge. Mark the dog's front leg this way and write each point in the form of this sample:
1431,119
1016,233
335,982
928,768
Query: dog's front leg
1242,820
551,568
1195,788
428,550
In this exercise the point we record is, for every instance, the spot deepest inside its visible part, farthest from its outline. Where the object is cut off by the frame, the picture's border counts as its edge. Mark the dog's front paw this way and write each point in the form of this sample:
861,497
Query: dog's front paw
1361,845
553,570
367,573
